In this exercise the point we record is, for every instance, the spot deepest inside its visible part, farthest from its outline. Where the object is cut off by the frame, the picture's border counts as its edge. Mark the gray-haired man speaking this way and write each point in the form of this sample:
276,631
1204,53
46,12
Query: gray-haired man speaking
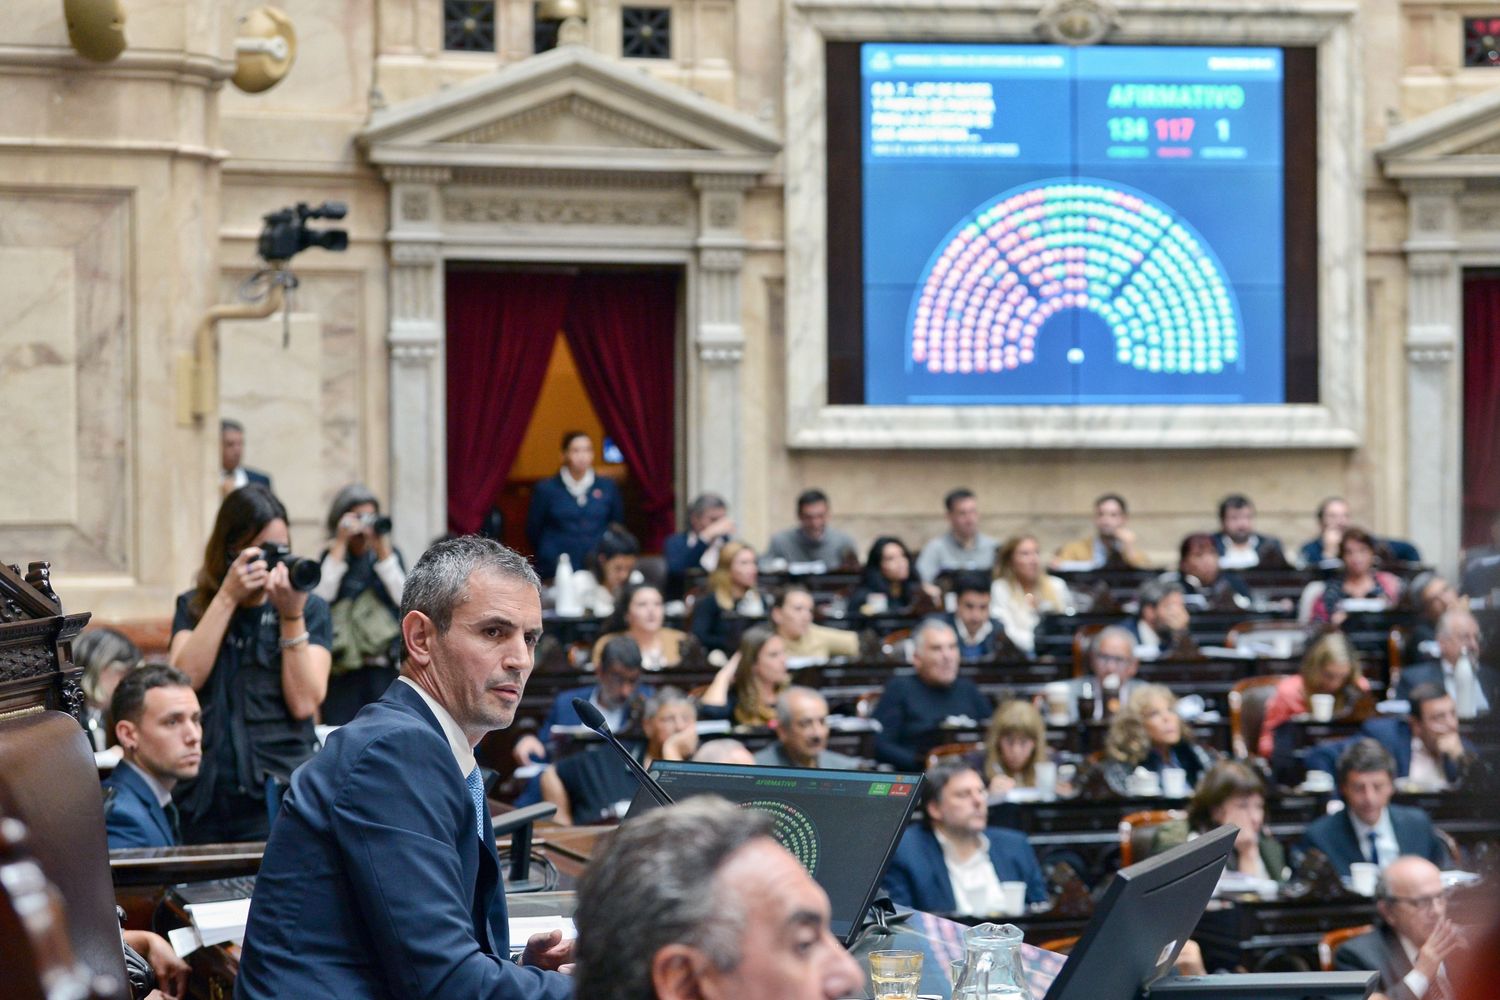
380,878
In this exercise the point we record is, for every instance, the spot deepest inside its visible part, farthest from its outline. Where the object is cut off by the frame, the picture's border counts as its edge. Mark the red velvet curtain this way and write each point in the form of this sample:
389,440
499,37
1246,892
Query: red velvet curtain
622,331
501,328
1481,381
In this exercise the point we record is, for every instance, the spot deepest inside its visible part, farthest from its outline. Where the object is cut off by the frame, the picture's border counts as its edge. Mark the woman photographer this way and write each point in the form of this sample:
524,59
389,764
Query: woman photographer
363,579
257,651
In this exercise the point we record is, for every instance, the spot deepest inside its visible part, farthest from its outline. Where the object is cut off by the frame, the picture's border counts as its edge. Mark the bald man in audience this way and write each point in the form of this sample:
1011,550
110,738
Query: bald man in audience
1413,938
802,734
792,615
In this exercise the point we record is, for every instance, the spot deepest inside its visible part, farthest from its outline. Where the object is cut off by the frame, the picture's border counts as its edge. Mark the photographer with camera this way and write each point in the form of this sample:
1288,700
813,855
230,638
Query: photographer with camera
254,640
363,579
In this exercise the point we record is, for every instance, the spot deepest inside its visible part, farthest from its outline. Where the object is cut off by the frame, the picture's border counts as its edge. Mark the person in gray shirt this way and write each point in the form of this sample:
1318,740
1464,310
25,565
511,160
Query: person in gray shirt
802,734
962,546
812,540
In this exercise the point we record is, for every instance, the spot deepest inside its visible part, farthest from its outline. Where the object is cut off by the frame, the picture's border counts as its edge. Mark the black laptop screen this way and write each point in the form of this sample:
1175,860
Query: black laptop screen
842,825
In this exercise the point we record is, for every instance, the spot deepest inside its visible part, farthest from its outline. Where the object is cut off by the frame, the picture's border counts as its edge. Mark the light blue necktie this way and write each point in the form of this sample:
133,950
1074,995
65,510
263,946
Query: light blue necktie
476,795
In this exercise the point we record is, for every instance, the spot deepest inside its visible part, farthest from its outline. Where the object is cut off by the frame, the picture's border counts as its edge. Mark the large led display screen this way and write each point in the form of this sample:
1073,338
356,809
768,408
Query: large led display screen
1050,225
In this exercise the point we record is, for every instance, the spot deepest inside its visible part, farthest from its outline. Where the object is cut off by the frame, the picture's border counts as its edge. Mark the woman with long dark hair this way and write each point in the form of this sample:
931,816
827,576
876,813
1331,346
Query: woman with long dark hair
890,578
257,651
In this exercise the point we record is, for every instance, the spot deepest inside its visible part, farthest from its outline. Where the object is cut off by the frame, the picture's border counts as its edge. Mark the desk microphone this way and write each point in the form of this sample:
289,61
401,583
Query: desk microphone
593,718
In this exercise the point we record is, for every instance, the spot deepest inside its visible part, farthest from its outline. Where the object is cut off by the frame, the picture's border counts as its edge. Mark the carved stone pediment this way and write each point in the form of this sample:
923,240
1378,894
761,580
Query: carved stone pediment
572,120
571,109
1461,140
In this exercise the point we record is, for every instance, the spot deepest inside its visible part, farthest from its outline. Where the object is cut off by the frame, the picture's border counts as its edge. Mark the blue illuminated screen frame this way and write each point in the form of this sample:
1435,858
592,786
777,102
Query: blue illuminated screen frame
1051,225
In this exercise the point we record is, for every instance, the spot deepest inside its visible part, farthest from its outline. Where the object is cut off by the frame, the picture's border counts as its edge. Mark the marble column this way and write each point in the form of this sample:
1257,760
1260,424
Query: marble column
1434,395
418,378
717,337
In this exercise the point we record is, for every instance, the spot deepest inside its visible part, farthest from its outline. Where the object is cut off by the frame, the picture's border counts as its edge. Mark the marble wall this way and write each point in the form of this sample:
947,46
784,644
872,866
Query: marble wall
131,195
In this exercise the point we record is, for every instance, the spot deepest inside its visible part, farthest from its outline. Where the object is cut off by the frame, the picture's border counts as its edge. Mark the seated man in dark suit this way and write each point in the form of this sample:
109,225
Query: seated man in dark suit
709,527
1370,828
1457,638
160,730
953,862
802,734
981,636
912,708
380,879
1236,542
1413,936
595,786
1427,747
1162,619
617,696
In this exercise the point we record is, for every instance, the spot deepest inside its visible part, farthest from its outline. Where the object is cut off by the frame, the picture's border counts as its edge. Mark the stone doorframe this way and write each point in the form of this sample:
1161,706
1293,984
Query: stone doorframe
563,158
1448,164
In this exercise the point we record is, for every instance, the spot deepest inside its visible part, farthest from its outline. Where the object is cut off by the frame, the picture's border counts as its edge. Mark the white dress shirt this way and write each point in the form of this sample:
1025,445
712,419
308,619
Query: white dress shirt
1426,770
463,753
1414,980
976,887
1481,703
1385,837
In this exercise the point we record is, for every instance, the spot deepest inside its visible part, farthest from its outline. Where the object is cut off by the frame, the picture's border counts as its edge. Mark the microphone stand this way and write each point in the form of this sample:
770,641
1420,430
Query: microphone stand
594,719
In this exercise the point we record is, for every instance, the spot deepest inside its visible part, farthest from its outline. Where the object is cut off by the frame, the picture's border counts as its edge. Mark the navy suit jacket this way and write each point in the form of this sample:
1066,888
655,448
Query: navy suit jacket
555,523
918,875
254,477
1395,736
375,883
132,816
1334,836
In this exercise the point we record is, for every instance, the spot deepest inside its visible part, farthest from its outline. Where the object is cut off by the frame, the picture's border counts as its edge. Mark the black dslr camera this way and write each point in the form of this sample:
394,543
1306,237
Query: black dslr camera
286,234
304,574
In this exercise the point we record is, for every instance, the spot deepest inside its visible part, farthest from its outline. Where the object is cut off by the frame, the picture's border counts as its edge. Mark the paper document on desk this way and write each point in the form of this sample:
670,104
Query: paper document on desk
521,928
221,921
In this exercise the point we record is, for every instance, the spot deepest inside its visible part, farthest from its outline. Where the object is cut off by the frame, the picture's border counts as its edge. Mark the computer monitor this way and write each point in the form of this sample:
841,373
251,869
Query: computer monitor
842,825
1140,925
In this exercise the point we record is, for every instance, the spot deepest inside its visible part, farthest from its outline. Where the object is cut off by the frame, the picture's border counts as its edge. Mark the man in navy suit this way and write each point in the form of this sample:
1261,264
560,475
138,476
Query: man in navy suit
952,863
159,727
380,878
233,474
619,697
1370,828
